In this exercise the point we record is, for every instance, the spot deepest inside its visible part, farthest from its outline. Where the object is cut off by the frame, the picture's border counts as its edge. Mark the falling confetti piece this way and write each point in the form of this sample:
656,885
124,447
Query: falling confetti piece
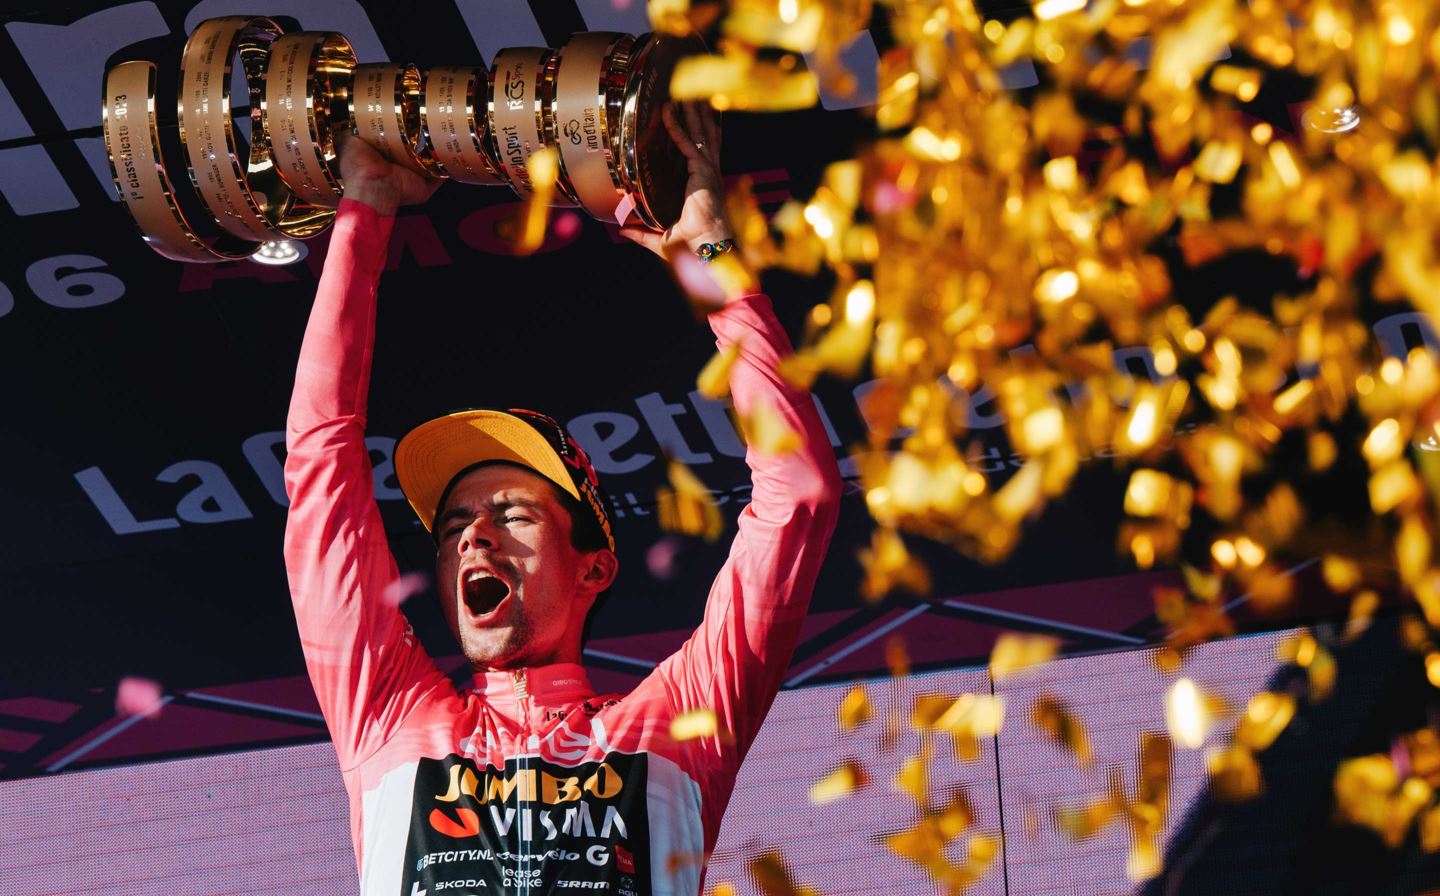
1309,654
773,877
1369,791
955,817
711,284
139,697
660,558
1144,861
678,861
1187,714
897,657
840,783
405,587
970,717
1341,574
544,168
740,81
714,379
693,724
1015,652
854,709
768,432
1085,821
687,507
1058,722
1362,610
1234,774
1266,716
889,567
567,225
914,777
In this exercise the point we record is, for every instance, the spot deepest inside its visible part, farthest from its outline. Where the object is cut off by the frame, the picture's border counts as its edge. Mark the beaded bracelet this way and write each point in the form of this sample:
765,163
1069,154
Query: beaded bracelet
708,251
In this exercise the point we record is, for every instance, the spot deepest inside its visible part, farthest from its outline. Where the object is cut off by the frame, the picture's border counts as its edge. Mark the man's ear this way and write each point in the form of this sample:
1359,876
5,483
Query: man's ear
600,569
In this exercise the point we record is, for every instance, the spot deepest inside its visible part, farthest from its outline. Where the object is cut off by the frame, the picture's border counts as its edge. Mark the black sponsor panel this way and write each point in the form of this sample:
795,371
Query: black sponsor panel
533,827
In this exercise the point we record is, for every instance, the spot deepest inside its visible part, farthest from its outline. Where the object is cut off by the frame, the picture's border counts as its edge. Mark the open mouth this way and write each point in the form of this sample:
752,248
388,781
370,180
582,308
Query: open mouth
483,593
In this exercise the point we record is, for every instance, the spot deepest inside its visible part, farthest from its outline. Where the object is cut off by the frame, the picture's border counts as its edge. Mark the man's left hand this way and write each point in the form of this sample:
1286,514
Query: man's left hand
695,128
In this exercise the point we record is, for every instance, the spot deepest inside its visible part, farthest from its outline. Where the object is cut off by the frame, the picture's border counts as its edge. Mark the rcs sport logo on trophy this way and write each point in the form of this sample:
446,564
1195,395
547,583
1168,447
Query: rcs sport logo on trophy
596,101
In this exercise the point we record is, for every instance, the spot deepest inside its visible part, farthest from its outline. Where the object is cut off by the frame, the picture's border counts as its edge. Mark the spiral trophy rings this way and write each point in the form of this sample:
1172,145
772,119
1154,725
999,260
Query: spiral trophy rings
597,101
455,119
307,94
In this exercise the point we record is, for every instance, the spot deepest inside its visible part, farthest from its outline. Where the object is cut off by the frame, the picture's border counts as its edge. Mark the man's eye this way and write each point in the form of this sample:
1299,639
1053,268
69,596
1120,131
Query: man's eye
451,533
516,519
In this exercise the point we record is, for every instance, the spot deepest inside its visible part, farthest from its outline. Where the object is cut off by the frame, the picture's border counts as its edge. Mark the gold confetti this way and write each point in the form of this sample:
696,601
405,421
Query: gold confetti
768,432
1362,609
1234,774
1051,9
714,379
694,724
740,81
1189,622
970,718
1058,722
913,778
889,567
1015,652
1341,573
1144,861
854,709
1189,713
897,658
1153,494
955,817
687,507
1309,654
773,877
1370,792
1265,717
544,168
840,783
993,247
1429,825
1085,821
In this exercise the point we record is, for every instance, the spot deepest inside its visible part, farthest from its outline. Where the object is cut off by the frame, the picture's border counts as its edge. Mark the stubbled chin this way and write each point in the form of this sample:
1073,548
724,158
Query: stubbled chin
494,645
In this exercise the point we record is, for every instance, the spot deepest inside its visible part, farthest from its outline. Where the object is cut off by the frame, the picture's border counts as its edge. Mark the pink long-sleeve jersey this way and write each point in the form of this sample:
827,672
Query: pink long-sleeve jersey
526,780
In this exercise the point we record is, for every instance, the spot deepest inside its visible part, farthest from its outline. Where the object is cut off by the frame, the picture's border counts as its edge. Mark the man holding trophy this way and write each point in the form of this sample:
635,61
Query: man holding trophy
527,781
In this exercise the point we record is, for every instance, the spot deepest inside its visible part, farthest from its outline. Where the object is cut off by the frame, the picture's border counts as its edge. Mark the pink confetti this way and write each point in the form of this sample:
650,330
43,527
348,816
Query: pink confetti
402,589
695,279
138,697
1400,755
567,225
624,210
889,198
660,559
620,4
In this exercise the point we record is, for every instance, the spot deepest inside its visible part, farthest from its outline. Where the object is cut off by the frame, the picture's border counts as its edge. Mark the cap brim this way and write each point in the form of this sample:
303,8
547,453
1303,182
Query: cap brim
430,455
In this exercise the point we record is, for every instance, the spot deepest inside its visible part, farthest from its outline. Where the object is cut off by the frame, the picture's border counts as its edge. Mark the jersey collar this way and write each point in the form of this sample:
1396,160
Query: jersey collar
543,684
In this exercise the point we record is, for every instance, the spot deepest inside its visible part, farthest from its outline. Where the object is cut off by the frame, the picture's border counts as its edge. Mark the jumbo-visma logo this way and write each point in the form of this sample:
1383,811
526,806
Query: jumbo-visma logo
546,803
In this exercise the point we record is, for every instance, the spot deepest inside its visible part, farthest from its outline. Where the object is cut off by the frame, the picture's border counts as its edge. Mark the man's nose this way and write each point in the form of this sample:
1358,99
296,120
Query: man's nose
477,535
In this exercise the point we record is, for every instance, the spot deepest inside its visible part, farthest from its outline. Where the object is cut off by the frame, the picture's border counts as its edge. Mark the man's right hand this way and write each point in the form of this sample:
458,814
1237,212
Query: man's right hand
379,183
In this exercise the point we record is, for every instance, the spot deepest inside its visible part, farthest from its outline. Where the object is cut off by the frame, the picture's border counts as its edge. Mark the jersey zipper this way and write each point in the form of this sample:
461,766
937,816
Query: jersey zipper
522,701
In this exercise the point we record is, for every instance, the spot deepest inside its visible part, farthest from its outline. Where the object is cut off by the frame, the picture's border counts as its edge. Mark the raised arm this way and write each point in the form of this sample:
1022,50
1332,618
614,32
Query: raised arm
367,668
735,660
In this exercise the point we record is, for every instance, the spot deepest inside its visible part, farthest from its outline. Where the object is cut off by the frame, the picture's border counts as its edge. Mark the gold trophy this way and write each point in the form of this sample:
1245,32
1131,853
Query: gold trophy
596,101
